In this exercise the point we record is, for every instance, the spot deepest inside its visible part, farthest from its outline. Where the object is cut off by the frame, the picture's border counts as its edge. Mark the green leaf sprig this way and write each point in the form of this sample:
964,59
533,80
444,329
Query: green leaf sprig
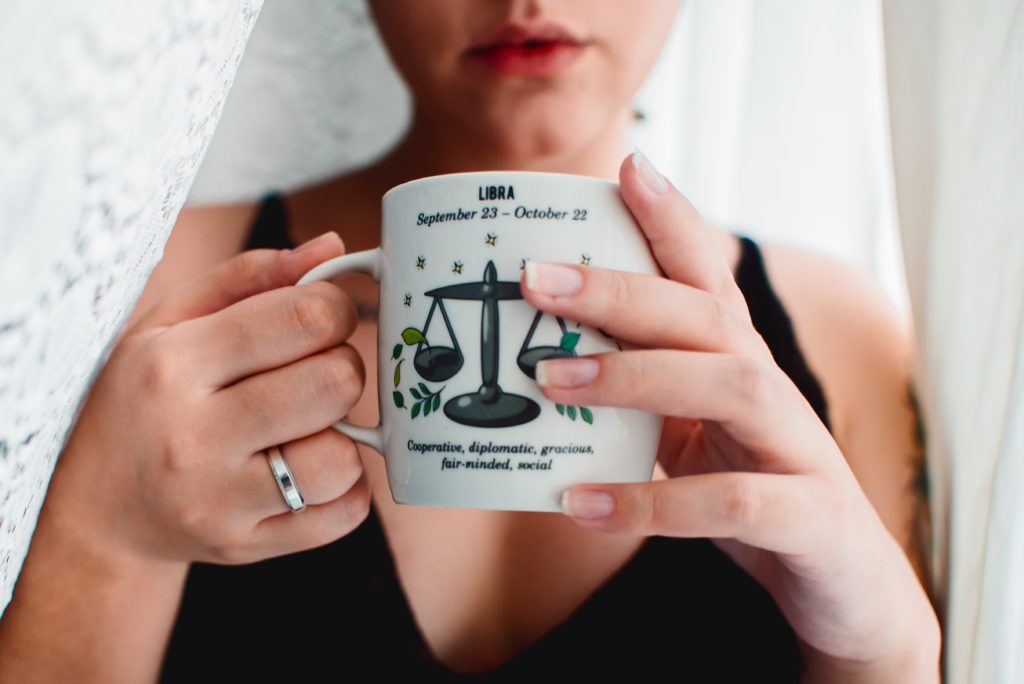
426,401
568,410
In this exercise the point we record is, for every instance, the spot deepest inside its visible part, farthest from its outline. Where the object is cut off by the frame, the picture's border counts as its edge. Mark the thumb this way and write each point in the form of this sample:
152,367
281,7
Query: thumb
243,275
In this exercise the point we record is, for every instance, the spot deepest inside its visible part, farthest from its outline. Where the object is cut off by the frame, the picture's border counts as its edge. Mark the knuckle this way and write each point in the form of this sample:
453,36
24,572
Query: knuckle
312,313
256,406
178,451
352,508
358,501
753,380
351,312
191,517
619,295
742,503
161,365
336,465
223,538
648,510
353,356
341,379
348,454
721,323
632,368
248,266
229,553
359,507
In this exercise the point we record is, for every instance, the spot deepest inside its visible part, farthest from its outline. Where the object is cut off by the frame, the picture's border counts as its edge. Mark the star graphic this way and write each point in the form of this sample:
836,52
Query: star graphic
522,264
420,261
584,259
491,239
408,299
457,267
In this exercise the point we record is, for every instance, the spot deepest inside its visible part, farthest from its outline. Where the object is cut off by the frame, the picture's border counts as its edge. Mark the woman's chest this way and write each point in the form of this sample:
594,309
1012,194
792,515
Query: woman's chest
482,585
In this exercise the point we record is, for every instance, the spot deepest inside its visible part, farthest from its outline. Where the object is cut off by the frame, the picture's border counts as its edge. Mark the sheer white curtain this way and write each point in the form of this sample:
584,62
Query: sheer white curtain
771,116
107,110
956,77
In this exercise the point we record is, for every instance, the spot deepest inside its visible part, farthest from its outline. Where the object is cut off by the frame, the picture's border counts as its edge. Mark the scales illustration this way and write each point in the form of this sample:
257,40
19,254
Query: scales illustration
489,406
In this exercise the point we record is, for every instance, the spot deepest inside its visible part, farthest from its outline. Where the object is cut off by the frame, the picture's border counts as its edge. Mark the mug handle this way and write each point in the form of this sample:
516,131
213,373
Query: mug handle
367,261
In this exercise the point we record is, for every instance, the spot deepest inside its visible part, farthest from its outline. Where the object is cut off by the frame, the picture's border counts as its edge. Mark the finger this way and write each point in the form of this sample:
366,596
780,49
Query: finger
313,526
780,513
243,275
264,331
755,402
639,307
324,466
680,240
288,403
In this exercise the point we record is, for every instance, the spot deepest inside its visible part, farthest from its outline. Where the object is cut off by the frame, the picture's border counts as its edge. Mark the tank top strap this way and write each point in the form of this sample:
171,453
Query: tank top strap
269,229
771,320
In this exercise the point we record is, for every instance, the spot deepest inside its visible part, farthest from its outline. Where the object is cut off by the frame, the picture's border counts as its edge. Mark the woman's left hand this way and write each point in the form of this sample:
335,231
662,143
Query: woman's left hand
748,461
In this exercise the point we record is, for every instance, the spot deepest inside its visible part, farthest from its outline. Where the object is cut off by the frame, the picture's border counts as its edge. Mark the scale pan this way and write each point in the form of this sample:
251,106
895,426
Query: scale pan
529,357
437,363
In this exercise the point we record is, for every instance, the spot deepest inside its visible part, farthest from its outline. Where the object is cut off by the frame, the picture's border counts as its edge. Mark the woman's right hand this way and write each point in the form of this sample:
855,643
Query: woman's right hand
165,460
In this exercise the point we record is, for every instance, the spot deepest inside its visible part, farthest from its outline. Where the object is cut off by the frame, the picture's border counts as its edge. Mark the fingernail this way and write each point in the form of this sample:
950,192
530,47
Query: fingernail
566,372
553,279
587,504
650,177
319,240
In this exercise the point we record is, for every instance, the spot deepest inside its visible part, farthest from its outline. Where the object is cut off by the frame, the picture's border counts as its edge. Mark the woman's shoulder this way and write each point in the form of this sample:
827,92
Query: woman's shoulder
850,330
860,345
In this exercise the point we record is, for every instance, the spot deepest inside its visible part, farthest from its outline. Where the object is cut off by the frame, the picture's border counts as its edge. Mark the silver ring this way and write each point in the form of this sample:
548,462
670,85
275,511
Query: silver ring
285,481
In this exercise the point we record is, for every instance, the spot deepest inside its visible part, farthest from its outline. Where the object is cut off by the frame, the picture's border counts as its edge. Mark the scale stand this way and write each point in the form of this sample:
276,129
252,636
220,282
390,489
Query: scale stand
489,406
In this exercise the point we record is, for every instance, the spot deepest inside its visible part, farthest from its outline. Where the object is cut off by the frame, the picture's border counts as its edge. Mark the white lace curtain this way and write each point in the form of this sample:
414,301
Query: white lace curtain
110,109
956,83
106,110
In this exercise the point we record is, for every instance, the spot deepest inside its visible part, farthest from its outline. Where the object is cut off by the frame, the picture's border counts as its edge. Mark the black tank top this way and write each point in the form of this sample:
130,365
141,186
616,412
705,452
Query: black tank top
678,608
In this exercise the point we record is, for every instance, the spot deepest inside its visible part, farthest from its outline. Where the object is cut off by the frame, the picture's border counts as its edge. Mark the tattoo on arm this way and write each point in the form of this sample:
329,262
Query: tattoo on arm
921,532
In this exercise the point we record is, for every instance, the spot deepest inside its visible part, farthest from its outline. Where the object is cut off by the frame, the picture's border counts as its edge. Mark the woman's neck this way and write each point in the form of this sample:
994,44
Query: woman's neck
433,148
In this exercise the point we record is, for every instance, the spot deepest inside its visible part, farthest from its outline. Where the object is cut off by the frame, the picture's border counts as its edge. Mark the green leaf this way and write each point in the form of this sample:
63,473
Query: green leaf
569,340
398,374
397,351
413,392
587,415
437,401
571,410
412,336
399,399
415,410
560,409
426,406
425,389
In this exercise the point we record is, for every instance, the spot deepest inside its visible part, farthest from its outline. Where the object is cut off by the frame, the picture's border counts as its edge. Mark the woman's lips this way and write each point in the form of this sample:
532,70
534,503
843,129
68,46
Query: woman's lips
516,50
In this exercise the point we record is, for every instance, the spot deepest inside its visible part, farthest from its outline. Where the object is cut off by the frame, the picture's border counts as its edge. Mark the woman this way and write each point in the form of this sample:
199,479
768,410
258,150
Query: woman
802,487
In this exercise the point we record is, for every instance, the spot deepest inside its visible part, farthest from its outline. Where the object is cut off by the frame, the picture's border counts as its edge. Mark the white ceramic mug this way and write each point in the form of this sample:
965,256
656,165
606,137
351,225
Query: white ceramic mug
463,422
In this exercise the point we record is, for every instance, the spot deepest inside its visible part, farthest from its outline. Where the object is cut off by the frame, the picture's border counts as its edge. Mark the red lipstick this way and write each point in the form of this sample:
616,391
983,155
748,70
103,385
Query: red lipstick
536,50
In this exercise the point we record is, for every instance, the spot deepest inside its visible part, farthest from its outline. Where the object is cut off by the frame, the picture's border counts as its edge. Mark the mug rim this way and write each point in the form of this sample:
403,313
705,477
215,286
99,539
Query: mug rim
595,180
